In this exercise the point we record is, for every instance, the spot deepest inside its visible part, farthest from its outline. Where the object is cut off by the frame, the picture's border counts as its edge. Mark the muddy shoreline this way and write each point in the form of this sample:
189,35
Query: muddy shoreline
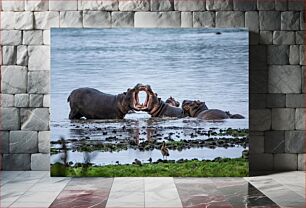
114,140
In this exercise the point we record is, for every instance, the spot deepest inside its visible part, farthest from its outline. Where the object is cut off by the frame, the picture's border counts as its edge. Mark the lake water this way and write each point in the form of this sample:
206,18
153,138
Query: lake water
182,63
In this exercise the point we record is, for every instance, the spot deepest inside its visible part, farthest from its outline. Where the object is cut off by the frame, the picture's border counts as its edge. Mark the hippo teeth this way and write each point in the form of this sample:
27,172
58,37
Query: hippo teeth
137,98
146,101
137,104
142,104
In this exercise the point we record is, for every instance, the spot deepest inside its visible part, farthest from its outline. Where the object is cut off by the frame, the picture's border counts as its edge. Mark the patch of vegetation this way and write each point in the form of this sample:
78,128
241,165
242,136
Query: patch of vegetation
218,167
90,146
234,132
54,150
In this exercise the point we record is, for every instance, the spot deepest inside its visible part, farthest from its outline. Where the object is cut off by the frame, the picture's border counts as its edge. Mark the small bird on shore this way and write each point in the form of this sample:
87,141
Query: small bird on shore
137,162
150,160
164,150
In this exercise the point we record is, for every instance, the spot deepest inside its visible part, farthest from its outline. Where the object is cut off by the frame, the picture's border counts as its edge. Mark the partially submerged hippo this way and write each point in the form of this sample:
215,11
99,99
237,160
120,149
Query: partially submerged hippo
158,108
193,107
173,102
93,104
199,109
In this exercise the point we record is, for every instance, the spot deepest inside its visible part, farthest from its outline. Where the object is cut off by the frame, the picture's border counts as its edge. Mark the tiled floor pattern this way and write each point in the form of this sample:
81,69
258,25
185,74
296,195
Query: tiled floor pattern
30,189
221,192
37,189
84,192
287,189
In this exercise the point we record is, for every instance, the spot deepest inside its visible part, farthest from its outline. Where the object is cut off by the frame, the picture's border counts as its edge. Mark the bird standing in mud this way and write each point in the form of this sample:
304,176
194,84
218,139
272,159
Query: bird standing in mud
164,150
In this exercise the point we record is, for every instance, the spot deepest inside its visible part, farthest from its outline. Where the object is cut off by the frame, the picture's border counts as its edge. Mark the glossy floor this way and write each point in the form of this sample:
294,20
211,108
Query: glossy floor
37,189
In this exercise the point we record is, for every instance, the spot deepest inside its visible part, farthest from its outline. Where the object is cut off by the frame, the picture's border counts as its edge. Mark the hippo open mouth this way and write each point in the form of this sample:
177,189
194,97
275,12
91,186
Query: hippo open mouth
137,105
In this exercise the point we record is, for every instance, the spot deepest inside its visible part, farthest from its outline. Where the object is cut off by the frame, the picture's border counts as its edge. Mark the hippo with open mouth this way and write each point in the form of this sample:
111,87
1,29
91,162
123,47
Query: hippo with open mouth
93,104
158,108
199,110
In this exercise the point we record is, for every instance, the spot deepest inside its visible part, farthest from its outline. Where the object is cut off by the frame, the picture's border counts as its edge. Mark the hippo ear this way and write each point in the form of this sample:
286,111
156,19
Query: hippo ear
124,93
149,88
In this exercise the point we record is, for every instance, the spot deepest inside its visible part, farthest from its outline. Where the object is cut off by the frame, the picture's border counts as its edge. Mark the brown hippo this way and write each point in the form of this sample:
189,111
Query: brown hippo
158,108
193,107
173,102
93,104
200,110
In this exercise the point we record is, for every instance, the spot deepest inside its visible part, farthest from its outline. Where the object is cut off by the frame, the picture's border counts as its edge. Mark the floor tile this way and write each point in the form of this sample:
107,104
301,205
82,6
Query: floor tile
38,189
161,192
80,199
13,187
30,177
35,199
221,192
200,192
90,184
128,184
193,180
30,205
159,183
50,184
9,199
295,181
7,176
33,175
125,200
256,198
84,192
277,192
162,198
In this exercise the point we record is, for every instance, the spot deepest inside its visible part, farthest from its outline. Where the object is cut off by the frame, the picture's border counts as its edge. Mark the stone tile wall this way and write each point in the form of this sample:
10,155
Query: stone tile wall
276,68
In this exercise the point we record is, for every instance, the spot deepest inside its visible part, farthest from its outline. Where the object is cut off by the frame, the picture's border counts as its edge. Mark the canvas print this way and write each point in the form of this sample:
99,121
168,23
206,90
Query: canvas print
149,102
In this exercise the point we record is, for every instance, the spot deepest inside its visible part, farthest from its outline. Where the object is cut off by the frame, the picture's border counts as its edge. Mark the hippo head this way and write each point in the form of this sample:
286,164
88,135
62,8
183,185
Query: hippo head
193,107
128,101
153,101
131,98
171,101
136,105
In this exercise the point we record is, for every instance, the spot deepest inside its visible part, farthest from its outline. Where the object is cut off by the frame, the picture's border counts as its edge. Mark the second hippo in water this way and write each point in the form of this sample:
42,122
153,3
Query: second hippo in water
199,110
173,102
158,108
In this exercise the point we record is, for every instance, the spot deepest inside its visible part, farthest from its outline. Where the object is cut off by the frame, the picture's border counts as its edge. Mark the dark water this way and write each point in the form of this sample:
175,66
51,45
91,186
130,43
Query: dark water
183,63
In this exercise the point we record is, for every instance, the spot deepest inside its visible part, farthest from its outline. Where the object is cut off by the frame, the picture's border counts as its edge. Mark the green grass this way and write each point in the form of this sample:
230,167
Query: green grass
192,168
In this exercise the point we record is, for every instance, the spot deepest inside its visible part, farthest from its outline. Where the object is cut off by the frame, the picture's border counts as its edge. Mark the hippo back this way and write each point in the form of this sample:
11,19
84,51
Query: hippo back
166,110
93,104
213,114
